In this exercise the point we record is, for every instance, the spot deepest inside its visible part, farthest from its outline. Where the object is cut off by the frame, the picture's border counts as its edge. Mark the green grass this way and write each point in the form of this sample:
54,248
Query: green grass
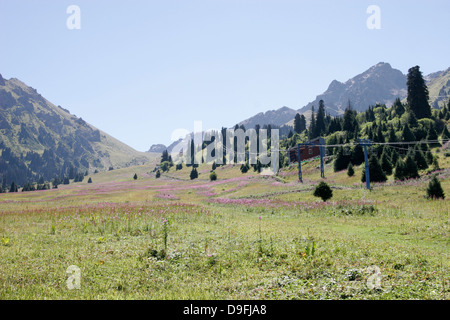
113,231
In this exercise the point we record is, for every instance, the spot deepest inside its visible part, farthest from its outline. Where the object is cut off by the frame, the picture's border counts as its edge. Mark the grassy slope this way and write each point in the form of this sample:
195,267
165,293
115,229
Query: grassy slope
440,87
220,249
119,154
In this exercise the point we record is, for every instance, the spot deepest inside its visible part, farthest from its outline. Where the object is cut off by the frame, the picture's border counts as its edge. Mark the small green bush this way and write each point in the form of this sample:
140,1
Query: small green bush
323,191
434,189
350,170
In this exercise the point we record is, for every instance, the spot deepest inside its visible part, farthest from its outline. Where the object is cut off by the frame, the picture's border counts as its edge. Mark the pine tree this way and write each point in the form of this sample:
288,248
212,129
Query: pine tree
158,174
194,174
297,123
376,173
400,173
165,156
407,135
323,191
417,98
432,135
13,187
411,119
89,180
386,163
435,164
398,107
357,155
244,167
214,166
419,158
391,135
349,119
135,176
302,123
350,170
320,120
341,161
213,176
434,189
411,170
445,135
290,134
379,137
394,156
312,125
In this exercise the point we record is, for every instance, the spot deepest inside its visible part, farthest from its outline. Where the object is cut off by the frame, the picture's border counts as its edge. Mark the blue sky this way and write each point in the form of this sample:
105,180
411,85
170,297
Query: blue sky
140,69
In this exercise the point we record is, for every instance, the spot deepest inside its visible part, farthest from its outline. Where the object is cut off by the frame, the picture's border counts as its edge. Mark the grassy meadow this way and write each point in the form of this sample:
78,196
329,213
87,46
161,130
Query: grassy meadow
244,236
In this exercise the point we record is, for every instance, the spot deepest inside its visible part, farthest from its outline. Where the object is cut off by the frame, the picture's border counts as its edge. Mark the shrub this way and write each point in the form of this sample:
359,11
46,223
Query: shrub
350,171
376,173
434,189
165,166
341,161
323,191
213,176
386,163
194,174
158,174
135,176
244,168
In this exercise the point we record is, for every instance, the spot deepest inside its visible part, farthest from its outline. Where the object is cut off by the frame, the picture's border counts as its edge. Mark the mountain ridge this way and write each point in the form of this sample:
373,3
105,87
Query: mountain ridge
337,95
47,139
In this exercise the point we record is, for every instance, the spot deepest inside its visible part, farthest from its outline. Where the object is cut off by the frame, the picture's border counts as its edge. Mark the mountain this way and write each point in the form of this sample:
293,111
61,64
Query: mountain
39,139
379,84
159,148
274,117
438,84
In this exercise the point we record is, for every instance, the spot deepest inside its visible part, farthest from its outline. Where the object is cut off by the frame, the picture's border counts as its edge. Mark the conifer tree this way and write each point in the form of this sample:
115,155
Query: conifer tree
312,125
350,170
213,176
419,158
417,98
165,156
445,135
349,119
391,135
341,161
357,155
244,167
411,170
398,107
194,174
394,156
376,173
432,135
13,187
399,173
297,123
323,191
434,189
386,163
320,121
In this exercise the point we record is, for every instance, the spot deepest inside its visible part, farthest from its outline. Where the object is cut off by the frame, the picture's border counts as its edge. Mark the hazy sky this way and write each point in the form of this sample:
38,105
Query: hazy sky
140,69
